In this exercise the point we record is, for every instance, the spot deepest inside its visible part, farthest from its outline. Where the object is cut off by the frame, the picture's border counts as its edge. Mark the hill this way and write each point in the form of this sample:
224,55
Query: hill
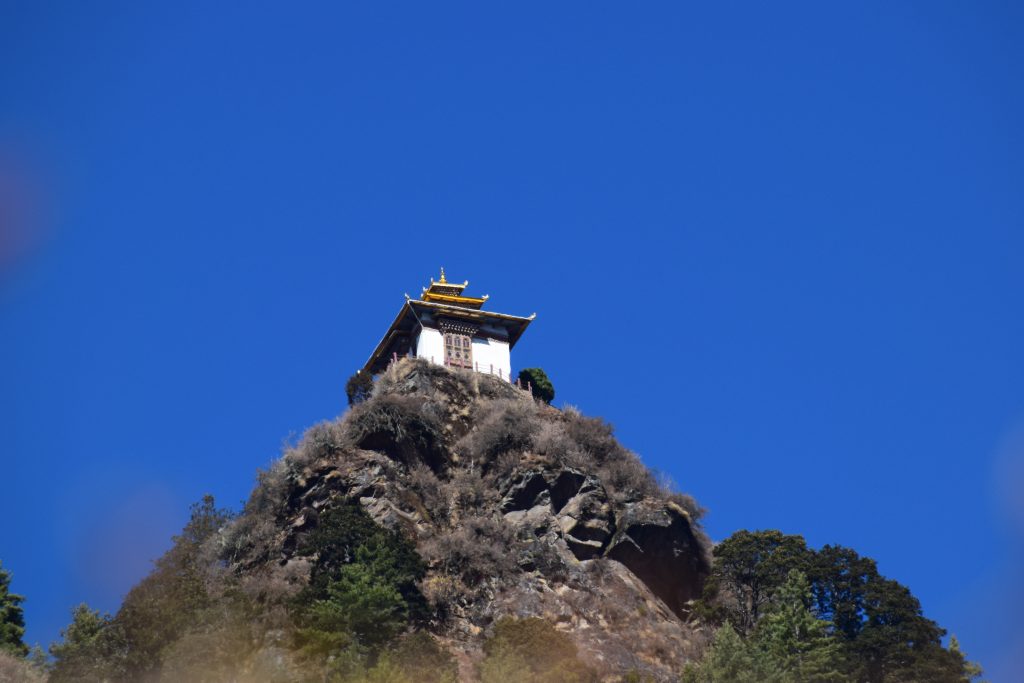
451,527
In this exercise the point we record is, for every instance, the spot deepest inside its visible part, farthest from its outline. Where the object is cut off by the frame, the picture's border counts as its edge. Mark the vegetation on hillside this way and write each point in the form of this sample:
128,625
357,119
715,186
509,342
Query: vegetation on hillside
531,650
786,612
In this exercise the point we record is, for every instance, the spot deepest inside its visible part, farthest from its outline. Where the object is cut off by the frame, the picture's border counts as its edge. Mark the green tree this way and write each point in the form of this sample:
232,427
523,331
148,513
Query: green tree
877,622
797,644
160,608
749,568
361,601
362,592
12,617
359,387
897,642
729,659
92,649
346,534
839,578
539,384
971,670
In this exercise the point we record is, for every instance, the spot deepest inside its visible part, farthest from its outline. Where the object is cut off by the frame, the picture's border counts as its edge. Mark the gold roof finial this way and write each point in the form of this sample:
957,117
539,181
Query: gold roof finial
443,281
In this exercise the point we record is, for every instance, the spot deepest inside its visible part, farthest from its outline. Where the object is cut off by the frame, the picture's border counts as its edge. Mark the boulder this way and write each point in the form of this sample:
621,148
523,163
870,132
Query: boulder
656,542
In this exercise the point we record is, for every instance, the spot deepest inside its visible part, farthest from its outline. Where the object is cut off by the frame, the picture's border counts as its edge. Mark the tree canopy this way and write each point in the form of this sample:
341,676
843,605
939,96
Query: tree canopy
875,623
538,382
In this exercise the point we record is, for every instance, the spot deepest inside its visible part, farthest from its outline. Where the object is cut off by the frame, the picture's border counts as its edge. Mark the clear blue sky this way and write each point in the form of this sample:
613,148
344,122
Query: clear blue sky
779,245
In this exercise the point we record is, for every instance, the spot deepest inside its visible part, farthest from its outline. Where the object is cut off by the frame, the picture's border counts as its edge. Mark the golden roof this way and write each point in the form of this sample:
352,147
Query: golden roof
444,292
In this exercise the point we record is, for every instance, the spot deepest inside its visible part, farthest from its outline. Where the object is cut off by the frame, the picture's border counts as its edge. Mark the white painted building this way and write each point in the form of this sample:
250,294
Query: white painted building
448,328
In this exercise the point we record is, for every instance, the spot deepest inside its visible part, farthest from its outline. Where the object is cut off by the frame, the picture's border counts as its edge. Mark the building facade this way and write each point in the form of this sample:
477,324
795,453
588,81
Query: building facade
446,327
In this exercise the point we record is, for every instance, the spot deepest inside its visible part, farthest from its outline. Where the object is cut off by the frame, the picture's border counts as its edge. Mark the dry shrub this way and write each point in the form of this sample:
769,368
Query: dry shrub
553,441
276,584
503,466
420,376
688,503
434,494
471,493
502,426
251,539
423,660
405,428
15,669
270,494
213,653
626,478
589,444
442,591
321,441
594,437
479,548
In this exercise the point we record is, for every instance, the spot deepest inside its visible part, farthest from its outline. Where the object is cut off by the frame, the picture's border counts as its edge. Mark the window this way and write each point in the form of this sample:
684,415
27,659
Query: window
458,351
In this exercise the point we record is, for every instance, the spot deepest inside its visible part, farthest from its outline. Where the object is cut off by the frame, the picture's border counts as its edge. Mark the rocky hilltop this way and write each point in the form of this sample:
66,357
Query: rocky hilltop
450,527
517,509
447,527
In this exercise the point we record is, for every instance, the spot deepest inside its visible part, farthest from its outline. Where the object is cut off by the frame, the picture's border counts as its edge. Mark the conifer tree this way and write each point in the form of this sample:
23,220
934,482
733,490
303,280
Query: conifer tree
797,643
729,660
971,670
12,617
92,649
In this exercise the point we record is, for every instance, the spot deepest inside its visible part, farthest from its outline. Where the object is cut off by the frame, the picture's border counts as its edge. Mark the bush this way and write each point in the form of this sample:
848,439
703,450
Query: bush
17,669
402,427
626,478
548,654
502,426
421,659
480,548
359,387
594,438
322,440
539,384
553,441
434,494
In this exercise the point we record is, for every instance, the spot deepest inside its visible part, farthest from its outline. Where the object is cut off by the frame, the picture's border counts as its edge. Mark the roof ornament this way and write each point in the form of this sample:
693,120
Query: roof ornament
443,281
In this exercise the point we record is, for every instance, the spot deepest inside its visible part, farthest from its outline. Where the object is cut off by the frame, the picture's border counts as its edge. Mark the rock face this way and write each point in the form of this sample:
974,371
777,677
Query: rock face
656,542
519,510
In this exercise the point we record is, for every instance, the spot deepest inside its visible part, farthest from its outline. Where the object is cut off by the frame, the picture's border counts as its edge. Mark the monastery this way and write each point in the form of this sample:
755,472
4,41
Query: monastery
448,328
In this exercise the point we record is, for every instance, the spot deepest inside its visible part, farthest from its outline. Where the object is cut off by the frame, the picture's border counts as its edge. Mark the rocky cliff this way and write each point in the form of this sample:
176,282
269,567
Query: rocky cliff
517,509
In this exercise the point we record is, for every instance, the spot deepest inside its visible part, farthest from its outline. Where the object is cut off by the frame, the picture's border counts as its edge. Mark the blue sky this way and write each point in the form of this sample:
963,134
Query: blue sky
778,245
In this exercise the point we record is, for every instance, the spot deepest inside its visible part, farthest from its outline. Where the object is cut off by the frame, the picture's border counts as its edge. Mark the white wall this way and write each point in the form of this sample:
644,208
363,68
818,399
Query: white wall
489,355
488,352
430,344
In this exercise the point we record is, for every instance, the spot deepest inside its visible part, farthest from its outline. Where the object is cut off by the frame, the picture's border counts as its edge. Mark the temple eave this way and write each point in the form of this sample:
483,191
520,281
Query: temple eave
454,299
